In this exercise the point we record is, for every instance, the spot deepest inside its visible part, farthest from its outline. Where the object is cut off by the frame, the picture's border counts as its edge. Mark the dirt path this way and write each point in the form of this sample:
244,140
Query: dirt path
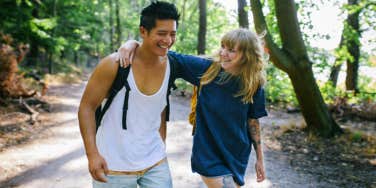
57,159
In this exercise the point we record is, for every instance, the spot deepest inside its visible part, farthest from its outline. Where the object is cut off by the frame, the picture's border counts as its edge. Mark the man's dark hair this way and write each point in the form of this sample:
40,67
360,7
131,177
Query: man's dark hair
158,10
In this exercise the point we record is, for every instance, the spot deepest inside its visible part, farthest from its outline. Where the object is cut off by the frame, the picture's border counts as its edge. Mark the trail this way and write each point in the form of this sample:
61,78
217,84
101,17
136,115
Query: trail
56,158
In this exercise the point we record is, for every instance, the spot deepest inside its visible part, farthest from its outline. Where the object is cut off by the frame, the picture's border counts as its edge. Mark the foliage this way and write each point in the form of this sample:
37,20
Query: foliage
65,33
279,88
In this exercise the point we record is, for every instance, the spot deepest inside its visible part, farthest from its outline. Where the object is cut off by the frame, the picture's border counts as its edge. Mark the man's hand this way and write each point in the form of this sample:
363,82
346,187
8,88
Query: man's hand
260,171
97,167
126,52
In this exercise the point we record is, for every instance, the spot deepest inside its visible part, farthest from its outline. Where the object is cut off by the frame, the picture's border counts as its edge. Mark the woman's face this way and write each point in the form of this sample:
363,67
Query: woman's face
230,58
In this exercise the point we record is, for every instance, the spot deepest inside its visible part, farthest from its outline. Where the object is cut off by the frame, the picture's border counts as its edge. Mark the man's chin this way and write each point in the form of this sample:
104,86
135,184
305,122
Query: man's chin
162,52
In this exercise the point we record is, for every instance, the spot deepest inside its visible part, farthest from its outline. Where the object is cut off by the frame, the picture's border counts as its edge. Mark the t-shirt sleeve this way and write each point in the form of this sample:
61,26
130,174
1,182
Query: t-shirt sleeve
257,109
191,68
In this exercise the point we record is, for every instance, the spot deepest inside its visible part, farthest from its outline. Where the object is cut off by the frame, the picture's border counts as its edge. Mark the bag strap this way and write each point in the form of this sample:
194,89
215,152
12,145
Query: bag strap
117,85
126,97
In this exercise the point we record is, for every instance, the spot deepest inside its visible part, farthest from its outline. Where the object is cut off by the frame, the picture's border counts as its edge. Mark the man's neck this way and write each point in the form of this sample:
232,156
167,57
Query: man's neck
145,56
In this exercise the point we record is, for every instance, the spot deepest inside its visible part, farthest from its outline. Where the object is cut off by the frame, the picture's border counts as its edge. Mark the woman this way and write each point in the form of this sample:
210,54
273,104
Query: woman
230,101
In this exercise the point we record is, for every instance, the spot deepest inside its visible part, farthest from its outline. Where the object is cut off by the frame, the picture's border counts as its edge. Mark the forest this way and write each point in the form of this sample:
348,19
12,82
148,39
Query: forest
52,37
45,40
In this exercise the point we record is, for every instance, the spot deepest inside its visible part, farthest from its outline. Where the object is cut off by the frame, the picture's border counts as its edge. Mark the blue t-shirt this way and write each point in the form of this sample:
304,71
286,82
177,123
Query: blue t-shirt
221,144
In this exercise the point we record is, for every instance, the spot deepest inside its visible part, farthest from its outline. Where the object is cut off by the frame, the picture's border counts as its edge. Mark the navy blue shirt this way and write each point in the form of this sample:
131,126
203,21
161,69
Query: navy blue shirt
221,144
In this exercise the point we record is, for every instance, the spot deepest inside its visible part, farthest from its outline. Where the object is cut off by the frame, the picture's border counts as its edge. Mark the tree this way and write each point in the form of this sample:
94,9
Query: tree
118,25
353,46
349,47
293,59
242,14
112,30
334,72
202,28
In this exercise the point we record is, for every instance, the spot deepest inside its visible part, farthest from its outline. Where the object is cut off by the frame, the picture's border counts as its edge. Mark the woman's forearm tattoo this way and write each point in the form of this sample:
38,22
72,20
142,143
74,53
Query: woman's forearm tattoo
254,131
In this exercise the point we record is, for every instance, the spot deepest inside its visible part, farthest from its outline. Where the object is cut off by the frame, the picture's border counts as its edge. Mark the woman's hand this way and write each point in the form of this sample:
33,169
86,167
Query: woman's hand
260,171
126,52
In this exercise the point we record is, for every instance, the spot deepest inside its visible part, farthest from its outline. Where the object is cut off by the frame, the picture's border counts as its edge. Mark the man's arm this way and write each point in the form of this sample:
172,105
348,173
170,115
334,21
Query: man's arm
96,90
254,132
163,128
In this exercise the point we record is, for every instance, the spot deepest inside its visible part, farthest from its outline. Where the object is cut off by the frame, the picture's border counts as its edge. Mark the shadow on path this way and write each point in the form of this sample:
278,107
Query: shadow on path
37,172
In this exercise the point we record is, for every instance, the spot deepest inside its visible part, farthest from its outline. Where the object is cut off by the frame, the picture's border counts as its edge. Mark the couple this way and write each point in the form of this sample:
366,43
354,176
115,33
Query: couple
230,101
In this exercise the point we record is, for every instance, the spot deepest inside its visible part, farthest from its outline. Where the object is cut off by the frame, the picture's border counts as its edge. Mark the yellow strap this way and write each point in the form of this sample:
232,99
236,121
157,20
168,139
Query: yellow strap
192,114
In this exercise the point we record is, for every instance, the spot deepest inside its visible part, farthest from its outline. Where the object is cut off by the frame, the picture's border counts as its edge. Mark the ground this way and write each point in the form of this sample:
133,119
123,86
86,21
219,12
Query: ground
50,153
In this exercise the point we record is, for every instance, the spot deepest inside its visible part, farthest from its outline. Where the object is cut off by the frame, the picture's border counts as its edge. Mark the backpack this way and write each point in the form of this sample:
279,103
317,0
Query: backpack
192,114
121,81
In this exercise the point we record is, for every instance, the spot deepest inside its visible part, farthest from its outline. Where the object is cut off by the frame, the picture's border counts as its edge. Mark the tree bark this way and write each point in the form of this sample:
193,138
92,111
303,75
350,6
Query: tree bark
111,21
118,25
34,46
292,58
336,68
201,45
354,50
242,14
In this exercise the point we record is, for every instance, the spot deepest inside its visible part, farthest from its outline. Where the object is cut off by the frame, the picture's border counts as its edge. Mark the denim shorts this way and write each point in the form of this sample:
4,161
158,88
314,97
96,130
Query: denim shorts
157,177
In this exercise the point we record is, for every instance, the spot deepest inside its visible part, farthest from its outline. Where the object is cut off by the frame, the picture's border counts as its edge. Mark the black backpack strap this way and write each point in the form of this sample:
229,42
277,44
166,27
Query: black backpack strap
126,98
117,85
171,82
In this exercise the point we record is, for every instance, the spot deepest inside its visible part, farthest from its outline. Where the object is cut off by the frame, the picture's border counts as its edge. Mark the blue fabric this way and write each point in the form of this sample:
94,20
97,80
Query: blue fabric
221,144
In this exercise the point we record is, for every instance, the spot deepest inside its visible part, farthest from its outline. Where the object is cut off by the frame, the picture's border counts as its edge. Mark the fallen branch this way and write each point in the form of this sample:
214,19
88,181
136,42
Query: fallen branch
34,113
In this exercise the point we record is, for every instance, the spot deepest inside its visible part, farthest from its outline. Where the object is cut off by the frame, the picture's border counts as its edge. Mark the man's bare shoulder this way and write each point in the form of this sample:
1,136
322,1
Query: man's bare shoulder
106,70
108,63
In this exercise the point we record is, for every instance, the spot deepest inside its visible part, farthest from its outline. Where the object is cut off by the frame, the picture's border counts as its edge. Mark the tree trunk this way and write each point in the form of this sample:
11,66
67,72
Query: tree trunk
313,107
49,63
75,57
242,14
34,46
293,59
202,28
111,26
354,50
118,26
336,68
182,20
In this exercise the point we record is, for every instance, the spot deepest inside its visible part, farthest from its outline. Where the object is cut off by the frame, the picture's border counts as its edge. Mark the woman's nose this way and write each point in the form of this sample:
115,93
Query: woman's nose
223,52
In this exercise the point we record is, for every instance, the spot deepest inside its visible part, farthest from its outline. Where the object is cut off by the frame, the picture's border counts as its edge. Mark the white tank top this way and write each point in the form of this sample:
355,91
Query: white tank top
140,145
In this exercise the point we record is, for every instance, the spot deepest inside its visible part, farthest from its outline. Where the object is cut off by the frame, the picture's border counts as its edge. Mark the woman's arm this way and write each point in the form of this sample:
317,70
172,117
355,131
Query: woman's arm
254,132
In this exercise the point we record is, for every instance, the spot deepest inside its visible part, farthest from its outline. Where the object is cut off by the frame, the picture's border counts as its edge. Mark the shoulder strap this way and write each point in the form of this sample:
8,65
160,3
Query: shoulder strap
117,85
126,97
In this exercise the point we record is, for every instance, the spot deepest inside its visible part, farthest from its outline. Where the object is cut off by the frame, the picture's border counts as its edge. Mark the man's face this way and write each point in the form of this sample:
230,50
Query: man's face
160,39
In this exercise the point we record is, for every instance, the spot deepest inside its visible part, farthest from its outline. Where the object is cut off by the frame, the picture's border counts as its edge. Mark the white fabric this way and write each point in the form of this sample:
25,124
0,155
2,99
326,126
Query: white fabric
140,145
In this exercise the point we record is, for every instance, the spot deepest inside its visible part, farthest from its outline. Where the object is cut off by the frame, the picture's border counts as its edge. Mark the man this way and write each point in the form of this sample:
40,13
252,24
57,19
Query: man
134,155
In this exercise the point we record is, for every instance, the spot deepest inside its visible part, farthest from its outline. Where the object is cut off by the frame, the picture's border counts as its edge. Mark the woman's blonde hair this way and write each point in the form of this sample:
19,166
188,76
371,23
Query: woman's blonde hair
251,73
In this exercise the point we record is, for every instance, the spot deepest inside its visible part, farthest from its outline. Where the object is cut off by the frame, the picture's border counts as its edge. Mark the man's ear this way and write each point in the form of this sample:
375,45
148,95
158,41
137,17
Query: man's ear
143,31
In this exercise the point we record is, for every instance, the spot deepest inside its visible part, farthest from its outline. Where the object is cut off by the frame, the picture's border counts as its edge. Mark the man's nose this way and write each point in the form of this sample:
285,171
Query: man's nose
168,40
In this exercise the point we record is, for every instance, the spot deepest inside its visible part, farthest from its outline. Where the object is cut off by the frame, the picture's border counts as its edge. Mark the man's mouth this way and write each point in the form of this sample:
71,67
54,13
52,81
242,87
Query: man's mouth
163,46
